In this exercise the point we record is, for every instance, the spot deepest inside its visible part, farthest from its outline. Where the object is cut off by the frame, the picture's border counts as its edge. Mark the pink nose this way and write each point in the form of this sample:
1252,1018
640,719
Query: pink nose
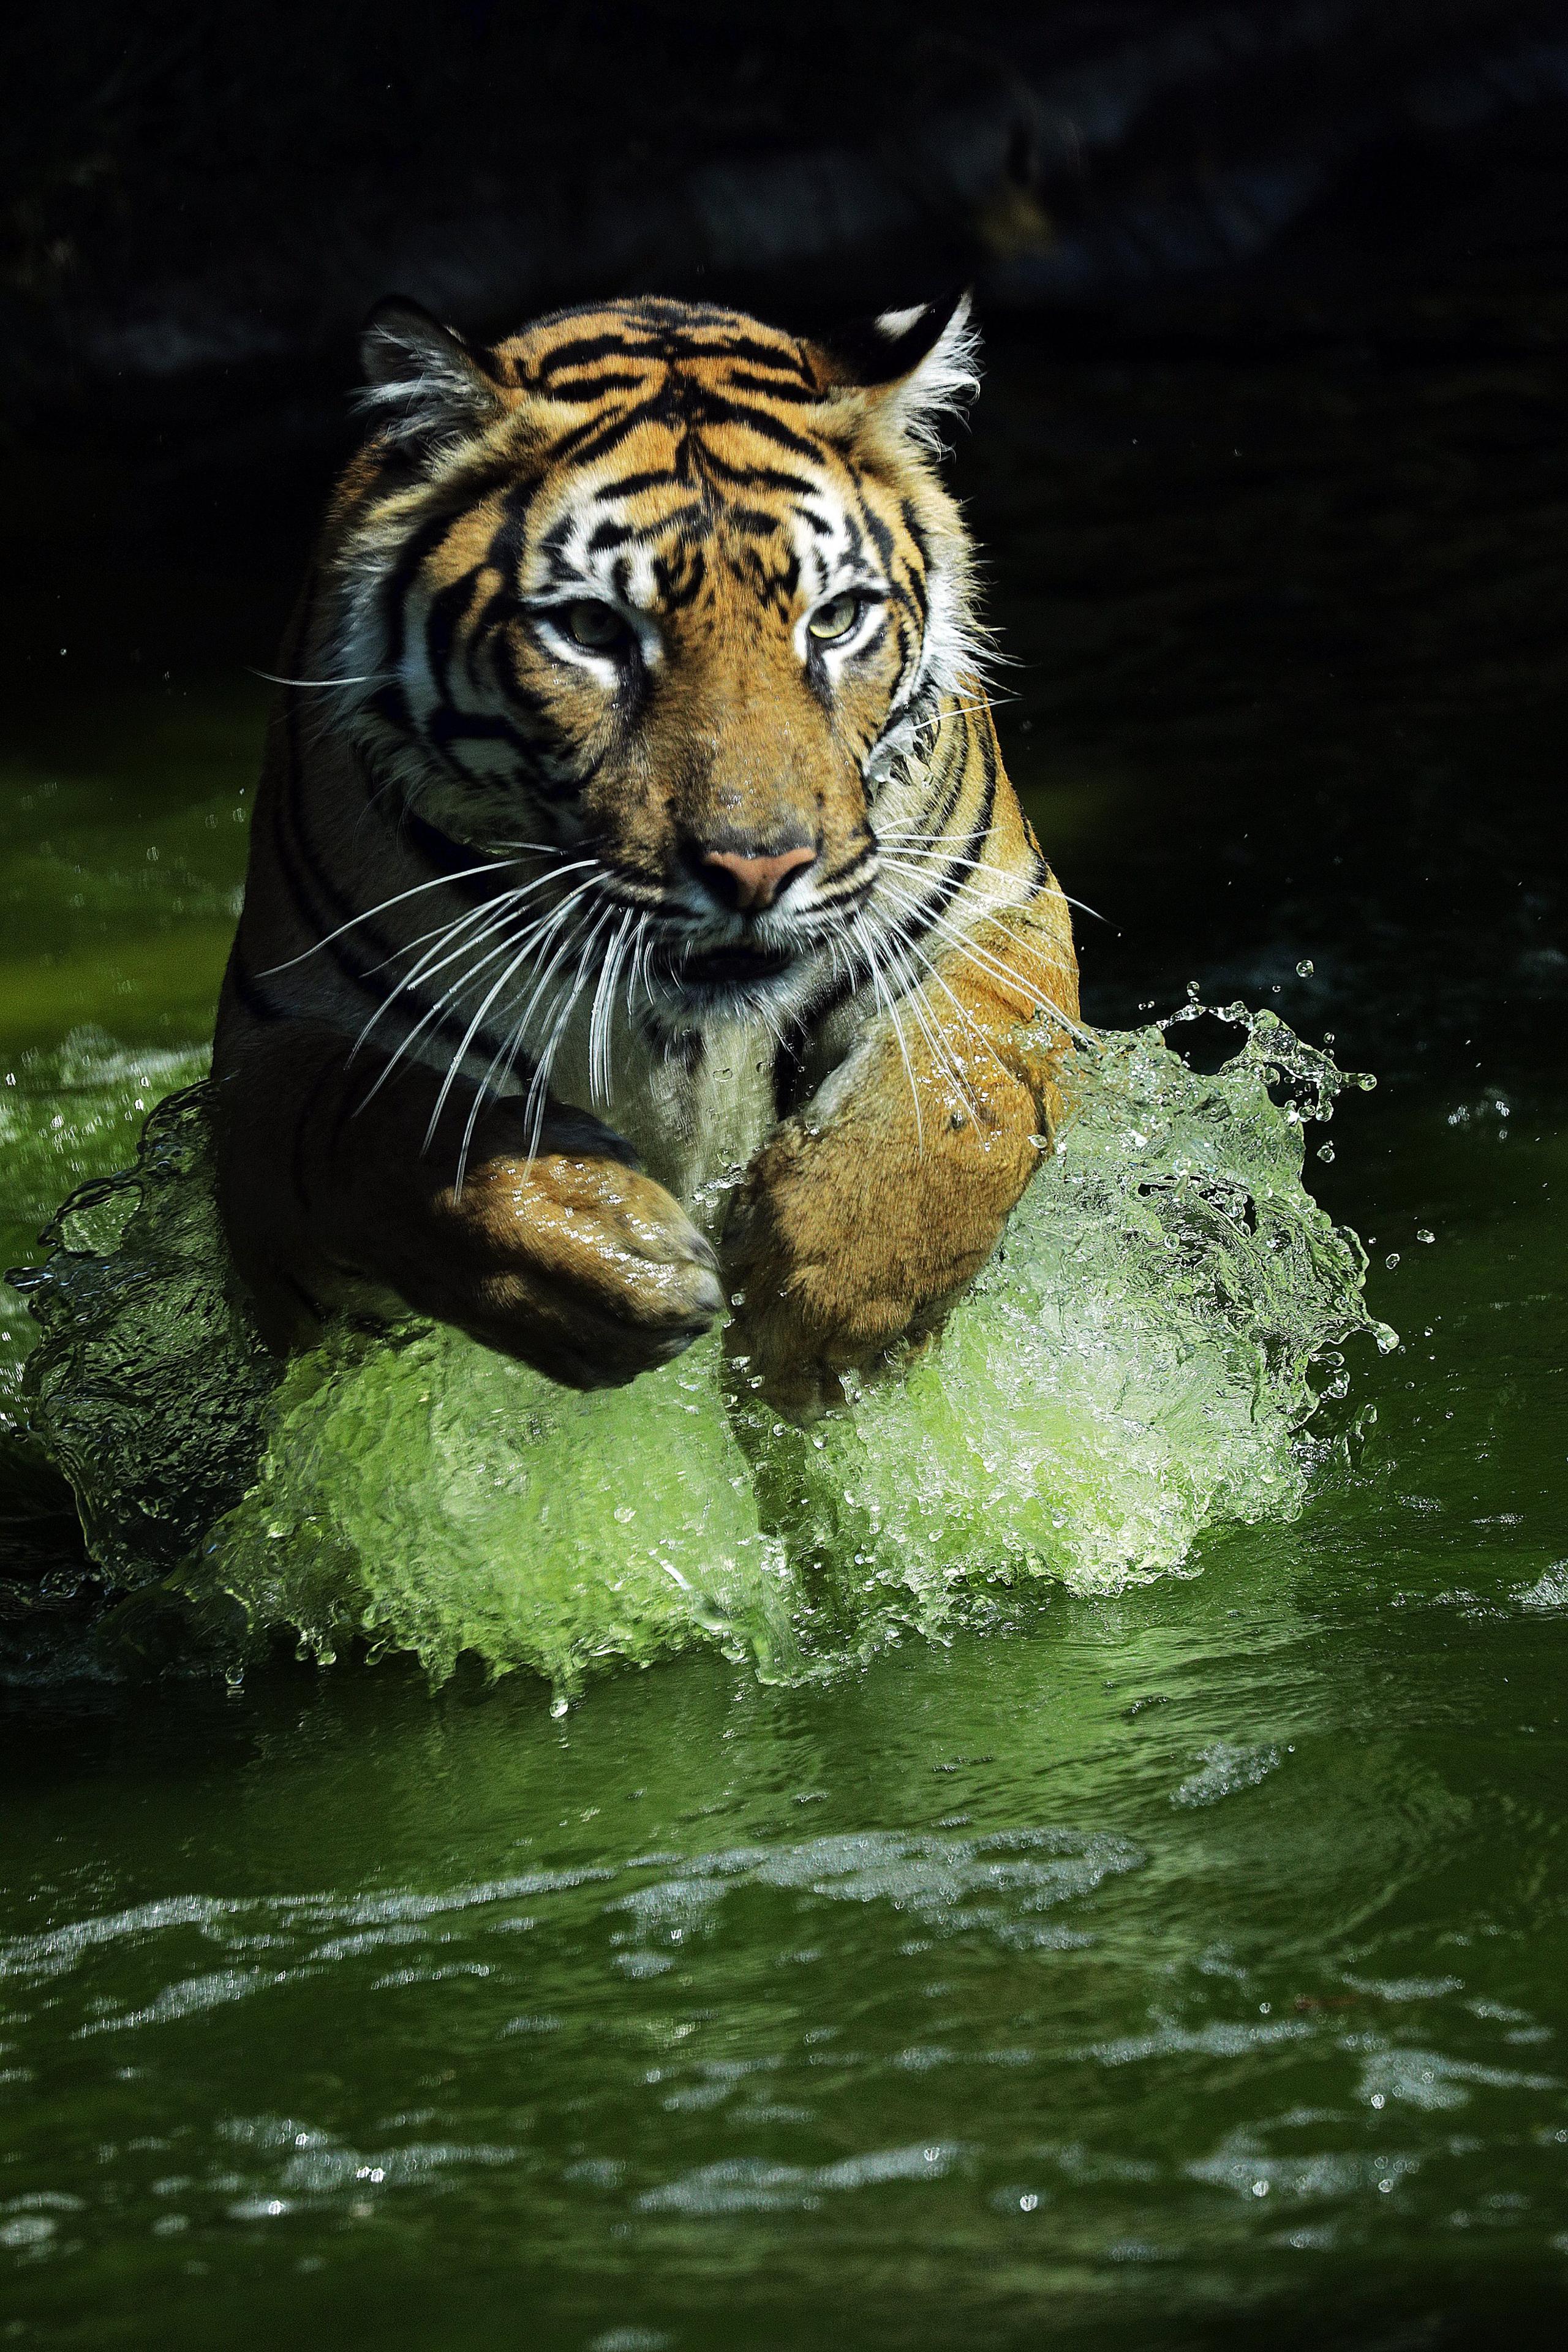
752,882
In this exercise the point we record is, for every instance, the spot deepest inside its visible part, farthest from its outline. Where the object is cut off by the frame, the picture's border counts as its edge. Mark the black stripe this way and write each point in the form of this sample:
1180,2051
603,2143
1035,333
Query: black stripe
393,585
783,358
912,525
446,609
800,394
880,533
448,726
681,581
592,387
630,485
312,884
588,442
712,408
589,347
753,478
946,887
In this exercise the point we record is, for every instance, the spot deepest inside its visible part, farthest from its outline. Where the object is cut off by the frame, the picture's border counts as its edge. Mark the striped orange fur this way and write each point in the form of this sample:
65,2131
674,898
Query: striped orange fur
638,909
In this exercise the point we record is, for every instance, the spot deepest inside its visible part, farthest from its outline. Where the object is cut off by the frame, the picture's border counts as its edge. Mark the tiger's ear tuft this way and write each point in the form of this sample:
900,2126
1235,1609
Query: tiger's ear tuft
919,367
424,384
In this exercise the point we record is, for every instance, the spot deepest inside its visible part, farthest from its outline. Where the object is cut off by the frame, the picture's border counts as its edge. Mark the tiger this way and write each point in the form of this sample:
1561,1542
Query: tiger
641,932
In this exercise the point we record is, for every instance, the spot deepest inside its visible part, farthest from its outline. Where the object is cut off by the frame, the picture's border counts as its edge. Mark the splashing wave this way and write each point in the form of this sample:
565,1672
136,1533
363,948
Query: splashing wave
1139,1364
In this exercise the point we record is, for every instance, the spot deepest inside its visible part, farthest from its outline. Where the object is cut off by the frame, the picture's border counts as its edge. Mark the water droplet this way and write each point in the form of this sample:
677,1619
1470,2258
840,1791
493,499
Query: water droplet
1325,1152
1392,1260
1304,968
1422,1234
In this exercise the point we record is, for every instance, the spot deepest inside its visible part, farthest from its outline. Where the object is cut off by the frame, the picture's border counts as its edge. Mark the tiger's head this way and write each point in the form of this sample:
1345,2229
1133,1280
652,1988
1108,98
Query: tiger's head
665,594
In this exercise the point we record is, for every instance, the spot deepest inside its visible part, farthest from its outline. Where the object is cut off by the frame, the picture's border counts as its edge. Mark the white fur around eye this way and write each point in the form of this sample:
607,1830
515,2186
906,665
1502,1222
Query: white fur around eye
605,663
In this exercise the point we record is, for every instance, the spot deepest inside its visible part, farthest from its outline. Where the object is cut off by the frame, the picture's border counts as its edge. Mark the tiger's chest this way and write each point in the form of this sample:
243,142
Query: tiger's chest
696,1118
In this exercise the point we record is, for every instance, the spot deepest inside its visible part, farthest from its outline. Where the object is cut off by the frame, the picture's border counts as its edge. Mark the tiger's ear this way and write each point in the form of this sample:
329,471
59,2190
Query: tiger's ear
424,384
918,367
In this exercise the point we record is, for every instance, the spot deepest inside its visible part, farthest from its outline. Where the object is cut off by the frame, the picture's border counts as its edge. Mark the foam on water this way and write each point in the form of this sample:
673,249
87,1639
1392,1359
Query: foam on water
1138,1364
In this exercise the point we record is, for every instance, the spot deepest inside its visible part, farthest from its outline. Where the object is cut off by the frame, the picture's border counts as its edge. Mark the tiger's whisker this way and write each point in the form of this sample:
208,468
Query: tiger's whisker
432,1013
505,1052
884,999
966,1018
434,961
455,1065
506,1055
930,1022
538,1096
603,1011
999,973
990,908
531,940
370,677
441,932
974,865
490,866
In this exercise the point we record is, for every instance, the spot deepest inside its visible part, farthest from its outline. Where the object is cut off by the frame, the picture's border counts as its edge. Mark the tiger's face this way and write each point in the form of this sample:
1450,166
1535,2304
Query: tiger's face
665,596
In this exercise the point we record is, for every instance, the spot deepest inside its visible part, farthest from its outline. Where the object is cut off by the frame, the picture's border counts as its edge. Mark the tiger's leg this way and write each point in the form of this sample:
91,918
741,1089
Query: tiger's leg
570,1259
864,1217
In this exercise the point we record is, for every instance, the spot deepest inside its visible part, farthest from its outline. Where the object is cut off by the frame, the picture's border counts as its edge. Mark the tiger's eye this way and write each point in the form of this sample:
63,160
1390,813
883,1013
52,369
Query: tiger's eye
594,625
834,619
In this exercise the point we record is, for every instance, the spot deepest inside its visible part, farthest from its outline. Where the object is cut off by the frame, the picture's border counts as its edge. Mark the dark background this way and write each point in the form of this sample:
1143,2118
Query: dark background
1271,481
1269,473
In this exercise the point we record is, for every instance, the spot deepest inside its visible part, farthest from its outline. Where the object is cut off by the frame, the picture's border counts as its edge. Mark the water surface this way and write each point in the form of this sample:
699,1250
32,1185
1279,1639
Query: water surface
1161,1969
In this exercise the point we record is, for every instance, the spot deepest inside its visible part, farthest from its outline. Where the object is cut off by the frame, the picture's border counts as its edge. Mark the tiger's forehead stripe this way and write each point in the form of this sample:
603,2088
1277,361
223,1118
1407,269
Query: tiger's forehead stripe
709,476
580,338
694,405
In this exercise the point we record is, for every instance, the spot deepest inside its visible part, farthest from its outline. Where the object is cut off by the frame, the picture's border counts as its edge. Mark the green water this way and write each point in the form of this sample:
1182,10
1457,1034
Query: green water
1106,1978
1179,1966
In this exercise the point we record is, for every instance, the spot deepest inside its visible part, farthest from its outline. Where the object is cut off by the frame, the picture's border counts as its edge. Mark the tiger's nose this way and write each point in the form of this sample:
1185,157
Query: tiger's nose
746,883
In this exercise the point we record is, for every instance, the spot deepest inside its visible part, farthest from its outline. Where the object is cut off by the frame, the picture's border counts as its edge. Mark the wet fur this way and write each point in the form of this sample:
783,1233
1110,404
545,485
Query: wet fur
488,1047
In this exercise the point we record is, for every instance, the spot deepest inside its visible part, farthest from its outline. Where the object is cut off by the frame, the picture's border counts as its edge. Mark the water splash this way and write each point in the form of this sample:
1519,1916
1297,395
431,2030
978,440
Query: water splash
1141,1362
66,1114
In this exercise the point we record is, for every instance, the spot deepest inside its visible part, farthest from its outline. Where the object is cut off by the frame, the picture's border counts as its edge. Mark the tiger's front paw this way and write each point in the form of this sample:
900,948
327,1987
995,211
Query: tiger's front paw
583,1267
845,1249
